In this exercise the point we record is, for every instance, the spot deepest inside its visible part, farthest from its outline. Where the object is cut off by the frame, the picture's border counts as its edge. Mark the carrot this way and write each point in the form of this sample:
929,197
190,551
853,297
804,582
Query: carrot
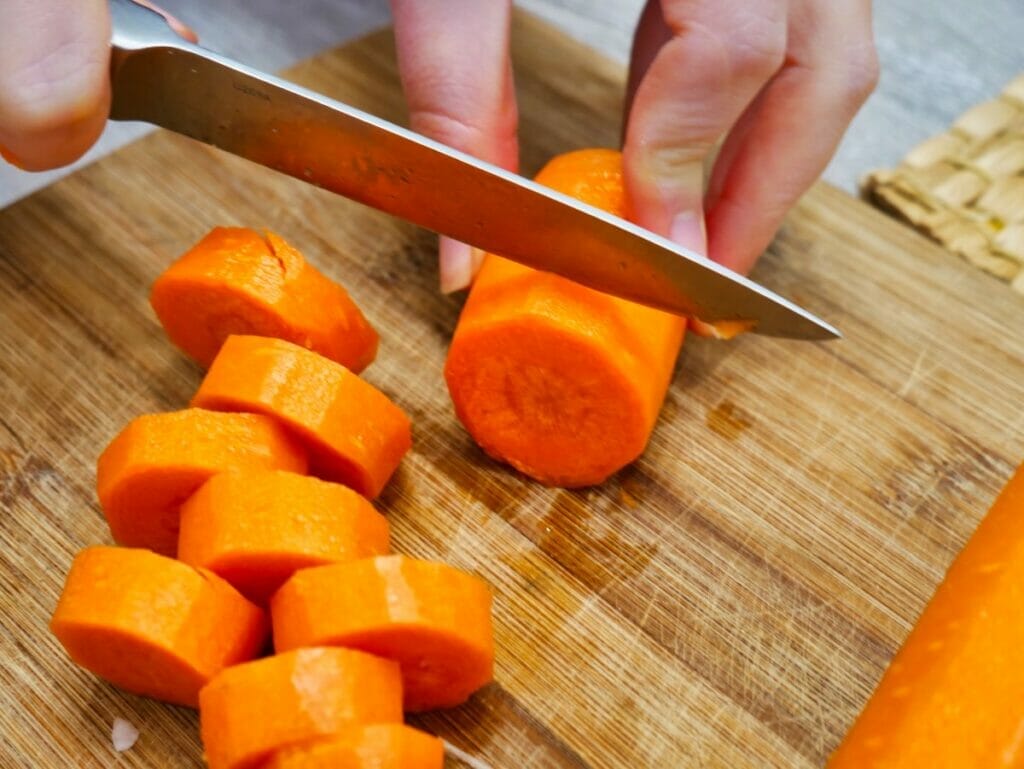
235,281
560,381
159,460
355,435
365,746
435,621
254,528
249,711
952,694
152,625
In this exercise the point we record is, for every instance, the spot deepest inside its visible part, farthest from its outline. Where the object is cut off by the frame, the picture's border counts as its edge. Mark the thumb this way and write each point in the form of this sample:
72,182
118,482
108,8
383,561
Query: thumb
456,72
54,79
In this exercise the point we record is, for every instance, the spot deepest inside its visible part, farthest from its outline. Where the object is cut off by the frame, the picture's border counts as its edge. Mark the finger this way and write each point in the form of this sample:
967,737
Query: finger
784,141
54,79
697,84
173,22
453,56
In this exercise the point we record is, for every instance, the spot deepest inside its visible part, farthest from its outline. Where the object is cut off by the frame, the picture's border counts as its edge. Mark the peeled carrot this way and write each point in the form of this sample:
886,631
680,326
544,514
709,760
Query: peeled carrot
562,382
435,621
952,694
236,281
365,746
152,625
159,460
249,711
254,528
355,435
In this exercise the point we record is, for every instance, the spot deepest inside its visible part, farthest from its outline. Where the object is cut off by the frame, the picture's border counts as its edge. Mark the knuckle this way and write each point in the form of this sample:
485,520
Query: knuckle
862,72
757,50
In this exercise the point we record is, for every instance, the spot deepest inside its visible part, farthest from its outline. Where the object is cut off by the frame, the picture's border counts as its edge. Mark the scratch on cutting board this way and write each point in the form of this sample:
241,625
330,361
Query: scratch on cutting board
916,375
471,761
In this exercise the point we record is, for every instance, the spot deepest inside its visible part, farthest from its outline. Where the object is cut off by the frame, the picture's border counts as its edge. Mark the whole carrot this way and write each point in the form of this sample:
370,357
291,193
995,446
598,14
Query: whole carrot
251,710
159,460
152,625
354,433
434,620
255,528
236,281
562,382
365,746
952,696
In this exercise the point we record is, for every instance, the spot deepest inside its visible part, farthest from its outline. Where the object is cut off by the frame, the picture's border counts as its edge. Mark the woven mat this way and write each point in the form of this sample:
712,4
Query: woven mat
965,188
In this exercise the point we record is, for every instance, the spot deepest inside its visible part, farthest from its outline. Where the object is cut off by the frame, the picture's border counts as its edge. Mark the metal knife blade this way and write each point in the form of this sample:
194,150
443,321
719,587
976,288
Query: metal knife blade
162,79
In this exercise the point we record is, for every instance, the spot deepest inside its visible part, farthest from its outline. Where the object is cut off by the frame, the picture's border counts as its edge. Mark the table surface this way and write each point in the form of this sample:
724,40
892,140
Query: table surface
937,59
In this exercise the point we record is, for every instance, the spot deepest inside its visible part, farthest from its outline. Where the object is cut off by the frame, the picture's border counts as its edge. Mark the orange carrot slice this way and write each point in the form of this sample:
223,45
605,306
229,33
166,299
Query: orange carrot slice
249,711
152,625
159,460
355,435
365,746
562,382
254,528
235,281
435,621
952,694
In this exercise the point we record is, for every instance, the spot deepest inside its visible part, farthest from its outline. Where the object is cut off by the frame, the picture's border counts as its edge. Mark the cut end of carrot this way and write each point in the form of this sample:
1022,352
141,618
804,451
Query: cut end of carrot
235,281
159,460
151,625
255,528
355,435
365,746
432,619
549,402
252,710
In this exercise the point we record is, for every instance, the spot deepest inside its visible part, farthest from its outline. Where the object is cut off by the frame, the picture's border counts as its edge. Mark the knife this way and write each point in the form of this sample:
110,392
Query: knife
159,78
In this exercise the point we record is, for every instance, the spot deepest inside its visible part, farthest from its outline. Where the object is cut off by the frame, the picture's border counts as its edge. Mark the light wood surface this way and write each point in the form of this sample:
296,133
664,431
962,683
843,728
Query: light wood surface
728,601
938,58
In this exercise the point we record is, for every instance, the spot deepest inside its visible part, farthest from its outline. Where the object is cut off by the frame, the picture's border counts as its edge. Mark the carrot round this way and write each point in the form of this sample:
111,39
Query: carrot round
236,281
365,746
152,625
952,694
254,528
159,460
355,435
249,711
562,382
435,621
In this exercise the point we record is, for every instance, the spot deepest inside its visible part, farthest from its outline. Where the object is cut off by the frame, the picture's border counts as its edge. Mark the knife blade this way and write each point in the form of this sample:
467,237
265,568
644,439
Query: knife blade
159,78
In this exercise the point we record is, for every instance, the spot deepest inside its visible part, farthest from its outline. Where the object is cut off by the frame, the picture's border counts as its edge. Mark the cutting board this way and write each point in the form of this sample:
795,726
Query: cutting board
729,600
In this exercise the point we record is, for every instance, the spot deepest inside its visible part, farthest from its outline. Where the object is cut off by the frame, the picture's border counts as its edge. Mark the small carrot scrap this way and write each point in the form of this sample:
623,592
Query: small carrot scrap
251,710
255,528
562,382
152,625
354,433
952,694
365,746
236,281
434,620
159,460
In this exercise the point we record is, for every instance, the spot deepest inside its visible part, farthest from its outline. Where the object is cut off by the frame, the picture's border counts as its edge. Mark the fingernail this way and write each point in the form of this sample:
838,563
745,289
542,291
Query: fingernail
688,230
7,155
456,264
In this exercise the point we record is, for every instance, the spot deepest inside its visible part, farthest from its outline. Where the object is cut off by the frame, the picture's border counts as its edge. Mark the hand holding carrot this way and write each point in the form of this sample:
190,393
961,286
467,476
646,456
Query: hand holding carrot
775,81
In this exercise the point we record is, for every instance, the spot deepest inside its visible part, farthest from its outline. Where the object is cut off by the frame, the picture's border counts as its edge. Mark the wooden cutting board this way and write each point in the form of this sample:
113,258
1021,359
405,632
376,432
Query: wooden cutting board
730,600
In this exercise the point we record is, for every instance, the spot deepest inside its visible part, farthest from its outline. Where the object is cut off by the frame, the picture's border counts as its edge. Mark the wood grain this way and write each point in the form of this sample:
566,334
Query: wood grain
728,601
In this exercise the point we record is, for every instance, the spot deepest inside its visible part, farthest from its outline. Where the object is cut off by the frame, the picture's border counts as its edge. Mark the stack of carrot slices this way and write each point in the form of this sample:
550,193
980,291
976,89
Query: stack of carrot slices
250,512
